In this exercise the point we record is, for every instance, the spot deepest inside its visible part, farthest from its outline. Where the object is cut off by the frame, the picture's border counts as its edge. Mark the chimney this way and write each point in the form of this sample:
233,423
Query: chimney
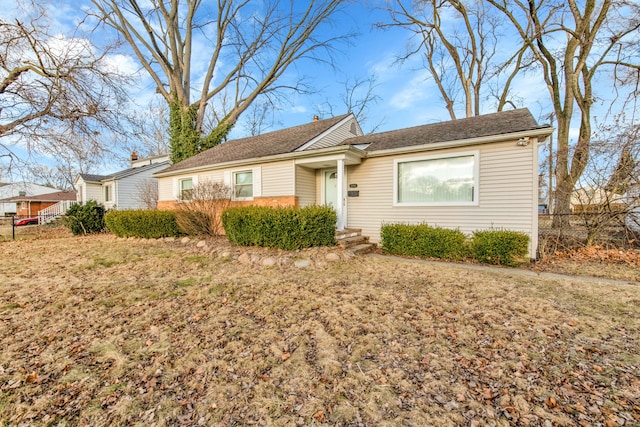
316,118
134,156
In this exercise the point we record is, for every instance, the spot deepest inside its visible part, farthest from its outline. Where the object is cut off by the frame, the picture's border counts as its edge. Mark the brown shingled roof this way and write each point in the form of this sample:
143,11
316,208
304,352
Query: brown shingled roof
49,197
267,144
474,127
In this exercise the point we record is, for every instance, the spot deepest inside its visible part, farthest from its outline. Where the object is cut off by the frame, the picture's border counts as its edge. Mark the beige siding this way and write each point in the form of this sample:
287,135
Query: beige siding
335,137
211,176
506,194
165,189
278,179
319,186
305,186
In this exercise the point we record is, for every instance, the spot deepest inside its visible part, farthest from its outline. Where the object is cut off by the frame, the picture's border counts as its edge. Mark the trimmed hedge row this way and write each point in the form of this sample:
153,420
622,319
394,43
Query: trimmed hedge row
423,241
501,247
148,224
287,228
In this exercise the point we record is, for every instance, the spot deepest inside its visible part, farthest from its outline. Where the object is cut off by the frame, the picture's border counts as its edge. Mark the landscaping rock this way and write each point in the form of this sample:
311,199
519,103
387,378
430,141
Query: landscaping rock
302,263
169,239
269,262
332,257
185,240
245,258
201,244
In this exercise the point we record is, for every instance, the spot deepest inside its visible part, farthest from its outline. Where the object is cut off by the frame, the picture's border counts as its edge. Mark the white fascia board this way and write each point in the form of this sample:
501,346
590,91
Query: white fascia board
544,132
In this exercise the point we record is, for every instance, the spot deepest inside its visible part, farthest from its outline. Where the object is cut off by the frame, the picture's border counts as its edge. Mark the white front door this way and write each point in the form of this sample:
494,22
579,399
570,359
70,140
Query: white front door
331,188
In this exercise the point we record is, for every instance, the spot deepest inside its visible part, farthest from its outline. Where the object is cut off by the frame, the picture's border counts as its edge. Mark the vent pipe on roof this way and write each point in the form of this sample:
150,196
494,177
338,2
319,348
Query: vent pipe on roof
134,156
316,118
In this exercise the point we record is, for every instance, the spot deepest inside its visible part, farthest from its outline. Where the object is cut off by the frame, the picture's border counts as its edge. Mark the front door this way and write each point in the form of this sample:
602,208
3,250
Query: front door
331,188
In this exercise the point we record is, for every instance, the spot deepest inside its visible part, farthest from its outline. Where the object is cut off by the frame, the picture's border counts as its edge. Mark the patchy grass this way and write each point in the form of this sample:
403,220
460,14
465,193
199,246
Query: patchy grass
101,331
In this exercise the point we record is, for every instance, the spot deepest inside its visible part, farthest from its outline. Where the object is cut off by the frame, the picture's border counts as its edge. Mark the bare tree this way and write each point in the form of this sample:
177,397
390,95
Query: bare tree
357,97
148,193
151,130
458,42
573,43
246,48
607,190
259,117
54,89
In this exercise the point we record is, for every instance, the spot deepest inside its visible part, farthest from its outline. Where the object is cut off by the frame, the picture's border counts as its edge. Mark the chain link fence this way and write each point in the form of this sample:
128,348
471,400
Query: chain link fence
585,229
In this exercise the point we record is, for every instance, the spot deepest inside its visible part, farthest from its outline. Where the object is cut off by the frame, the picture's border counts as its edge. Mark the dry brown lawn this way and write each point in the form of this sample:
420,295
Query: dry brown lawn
101,331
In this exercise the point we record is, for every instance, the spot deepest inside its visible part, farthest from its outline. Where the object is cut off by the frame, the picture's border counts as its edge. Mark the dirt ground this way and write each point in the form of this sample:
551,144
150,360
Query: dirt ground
104,331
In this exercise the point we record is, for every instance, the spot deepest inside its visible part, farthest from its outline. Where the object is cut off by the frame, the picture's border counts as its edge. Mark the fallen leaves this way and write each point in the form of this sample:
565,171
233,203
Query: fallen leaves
376,343
598,253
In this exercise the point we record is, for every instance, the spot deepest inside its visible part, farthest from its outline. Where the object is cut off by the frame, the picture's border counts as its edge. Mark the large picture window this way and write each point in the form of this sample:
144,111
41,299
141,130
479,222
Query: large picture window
243,185
450,180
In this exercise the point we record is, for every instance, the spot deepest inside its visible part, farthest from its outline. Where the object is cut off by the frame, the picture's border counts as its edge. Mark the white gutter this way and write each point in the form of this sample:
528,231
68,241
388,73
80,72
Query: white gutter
285,156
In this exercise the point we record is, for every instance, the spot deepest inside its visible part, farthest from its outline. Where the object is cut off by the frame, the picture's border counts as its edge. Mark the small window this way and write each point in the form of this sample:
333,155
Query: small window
450,180
243,185
186,189
108,197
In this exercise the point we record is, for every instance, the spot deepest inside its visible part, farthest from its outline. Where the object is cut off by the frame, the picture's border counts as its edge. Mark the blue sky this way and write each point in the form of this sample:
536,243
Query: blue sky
408,96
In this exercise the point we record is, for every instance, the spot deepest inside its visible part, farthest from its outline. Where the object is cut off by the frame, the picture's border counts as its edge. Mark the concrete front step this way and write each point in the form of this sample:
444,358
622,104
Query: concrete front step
352,240
347,232
362,249
349,242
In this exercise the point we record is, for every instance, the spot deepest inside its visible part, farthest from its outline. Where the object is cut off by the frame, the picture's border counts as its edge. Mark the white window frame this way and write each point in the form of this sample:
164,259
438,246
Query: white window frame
476,178
180,190
256,175
233,184
108,191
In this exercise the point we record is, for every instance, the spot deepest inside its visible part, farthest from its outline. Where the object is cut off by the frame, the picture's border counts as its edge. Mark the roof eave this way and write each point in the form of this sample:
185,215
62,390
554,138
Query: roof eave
539,132
273,158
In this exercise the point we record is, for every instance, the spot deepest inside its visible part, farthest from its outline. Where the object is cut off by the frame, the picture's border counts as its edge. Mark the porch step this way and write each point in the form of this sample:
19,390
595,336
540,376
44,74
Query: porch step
347,233
353,240
363,248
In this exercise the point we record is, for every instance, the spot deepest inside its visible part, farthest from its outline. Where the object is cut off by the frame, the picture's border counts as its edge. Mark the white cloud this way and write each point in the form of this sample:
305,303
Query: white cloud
418,89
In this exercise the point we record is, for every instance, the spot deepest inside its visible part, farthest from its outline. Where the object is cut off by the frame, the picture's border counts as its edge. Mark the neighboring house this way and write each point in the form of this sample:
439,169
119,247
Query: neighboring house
125,189
32,206
470,174
596,200
8,191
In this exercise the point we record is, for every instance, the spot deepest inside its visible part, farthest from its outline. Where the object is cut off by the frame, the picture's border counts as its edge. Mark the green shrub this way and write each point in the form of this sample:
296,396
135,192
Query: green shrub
423,240
286,228
501,247
149,224
85,218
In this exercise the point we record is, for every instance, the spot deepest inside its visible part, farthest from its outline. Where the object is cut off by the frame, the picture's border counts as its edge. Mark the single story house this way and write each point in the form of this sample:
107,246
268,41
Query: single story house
30,206
15,189
469,174
126,189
